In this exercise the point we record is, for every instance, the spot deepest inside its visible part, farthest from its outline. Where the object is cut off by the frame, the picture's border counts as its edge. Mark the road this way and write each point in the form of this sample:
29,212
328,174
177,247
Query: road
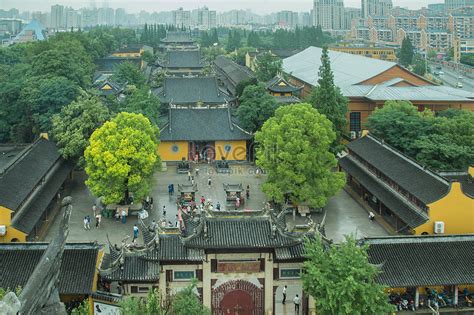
450,78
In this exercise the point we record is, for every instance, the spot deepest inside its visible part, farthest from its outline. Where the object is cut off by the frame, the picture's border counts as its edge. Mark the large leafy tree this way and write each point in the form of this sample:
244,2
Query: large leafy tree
406,52
419,65
341,280
130,73
267,66
256,106
399,123
327,98
142,101
186,302
451,144
293,148
121,158
73,126
239,89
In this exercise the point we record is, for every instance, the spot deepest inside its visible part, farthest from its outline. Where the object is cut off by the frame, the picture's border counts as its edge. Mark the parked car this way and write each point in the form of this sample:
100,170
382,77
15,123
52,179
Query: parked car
438,68
459,85
460,78
440,73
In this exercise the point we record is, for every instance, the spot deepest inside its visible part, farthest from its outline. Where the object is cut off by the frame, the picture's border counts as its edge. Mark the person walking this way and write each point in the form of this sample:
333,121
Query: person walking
247,192
169,190
135,232
94,209
88,222
85,223
164,211
124,216
209,182
371,216
189,176
297,301
284,295
218,206
197,171
203,200
237,202
97,221
192,180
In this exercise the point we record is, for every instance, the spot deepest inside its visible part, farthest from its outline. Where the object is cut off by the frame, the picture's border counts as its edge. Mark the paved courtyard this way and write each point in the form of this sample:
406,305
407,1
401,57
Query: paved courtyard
344,215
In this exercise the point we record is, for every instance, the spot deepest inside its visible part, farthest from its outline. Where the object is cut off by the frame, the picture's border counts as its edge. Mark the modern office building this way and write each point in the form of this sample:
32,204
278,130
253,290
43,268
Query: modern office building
329,14
375,8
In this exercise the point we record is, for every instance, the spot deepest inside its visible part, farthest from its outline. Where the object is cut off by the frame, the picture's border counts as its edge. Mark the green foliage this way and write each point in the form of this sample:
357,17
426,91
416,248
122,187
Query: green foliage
121,158
83,309
300,38
342,281
239,89
253,40
419,65
239,55
129,73
132,306
327,98
432,54
4,291
444,142
467,59
406,52
75,123
293,148
234,40
268,66
186,302
142,101
256,107
211,53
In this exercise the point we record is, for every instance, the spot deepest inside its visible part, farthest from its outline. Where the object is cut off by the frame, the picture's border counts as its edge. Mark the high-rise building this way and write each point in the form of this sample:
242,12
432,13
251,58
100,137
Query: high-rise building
105,16
89,17
181,18
57,17
73,19
349,15
288,19
329,14
120,16
375,8
457,4
304,19
206,19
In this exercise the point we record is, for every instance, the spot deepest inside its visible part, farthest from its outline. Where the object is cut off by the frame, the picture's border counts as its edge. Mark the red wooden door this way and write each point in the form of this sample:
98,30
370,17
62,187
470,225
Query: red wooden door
237,302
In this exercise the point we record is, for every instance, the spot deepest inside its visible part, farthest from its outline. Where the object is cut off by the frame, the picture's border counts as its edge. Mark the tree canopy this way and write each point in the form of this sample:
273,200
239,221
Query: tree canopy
406,52
142,101
268,66
443,142
327,98
293,148
256,107
121,158
341,280
73,126
129,73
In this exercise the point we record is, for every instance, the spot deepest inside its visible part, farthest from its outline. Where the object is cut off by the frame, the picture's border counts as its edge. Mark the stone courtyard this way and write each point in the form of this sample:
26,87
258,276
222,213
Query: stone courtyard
344,215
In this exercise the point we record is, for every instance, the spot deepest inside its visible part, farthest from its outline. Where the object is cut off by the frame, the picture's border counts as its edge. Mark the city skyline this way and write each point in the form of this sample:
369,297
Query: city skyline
259,6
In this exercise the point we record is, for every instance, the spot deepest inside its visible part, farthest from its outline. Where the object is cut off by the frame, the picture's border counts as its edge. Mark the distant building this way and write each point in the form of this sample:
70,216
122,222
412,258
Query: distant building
375,8
287,19
440,7
120,17
408,197
383,53
33,31
457,4
461,23
350,14
329,14
283,91
182,18
57,17
206,19
230,74
31,178
176,40
304,19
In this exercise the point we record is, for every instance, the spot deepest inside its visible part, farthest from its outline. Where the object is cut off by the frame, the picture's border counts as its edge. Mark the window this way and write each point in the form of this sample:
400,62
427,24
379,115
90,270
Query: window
134,289
290,273
175,148
183,275
143,289
354,120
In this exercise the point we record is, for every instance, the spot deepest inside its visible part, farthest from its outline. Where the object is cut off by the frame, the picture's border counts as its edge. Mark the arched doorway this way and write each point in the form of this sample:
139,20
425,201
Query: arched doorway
237,297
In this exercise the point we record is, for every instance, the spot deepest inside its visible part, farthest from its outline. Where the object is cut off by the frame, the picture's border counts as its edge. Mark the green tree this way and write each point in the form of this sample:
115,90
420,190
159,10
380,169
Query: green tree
186,302
142,101
399,123
450,146
82,309
239,89
406,52
293,148
239,55
73,126
130,73
121,158
341,280
327,98
419,65
256,107
268,66
132,306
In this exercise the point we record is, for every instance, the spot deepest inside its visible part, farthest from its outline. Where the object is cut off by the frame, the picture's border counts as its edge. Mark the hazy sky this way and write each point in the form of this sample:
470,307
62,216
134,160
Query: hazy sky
258,6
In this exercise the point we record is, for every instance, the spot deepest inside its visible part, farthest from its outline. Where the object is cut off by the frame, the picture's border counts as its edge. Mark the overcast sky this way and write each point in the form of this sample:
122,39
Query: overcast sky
257,6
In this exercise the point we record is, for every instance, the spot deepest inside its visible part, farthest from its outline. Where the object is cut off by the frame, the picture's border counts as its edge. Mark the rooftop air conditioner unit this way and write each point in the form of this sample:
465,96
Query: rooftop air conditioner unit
439,227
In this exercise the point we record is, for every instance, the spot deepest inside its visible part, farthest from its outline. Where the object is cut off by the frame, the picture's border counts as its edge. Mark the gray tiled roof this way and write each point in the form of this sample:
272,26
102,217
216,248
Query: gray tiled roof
178,91
233,72
108,64
409,175
177,37
291,252
183,59
171,248
273,85
423,260
28,218
242,232
76,275
407,214
20,178
348,69
135,269
202,124
287,99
